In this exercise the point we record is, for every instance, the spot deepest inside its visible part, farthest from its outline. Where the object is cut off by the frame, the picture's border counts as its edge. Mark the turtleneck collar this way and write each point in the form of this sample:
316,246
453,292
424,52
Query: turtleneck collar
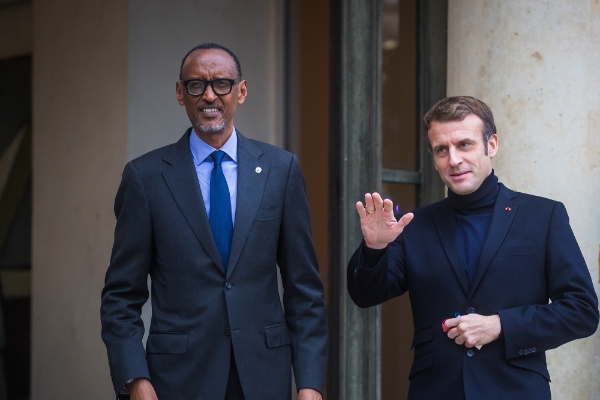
484,196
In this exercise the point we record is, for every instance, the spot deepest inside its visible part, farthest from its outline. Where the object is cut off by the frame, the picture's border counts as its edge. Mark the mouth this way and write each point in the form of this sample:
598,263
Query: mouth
458,175
210,112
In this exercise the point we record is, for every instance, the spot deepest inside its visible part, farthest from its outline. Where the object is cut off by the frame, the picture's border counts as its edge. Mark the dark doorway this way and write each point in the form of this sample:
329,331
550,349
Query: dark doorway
15,227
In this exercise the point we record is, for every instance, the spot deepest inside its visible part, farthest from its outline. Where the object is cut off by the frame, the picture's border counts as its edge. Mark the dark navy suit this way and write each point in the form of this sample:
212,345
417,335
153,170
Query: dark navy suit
530,255
199,312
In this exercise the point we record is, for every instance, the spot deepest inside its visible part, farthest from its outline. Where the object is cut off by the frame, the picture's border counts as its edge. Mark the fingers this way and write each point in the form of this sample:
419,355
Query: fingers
369,206
377,201
451,323
362,212
473,330
388,205
373,202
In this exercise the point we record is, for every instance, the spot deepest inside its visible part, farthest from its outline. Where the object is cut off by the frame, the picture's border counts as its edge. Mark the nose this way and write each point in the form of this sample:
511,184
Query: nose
209,94
454,157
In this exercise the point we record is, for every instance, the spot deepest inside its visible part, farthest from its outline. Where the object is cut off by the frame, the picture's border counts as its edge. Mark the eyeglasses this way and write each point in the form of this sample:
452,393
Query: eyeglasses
197,87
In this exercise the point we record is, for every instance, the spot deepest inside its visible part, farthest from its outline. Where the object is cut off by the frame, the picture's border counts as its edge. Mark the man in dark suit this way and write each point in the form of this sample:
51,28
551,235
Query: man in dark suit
480,267
210,218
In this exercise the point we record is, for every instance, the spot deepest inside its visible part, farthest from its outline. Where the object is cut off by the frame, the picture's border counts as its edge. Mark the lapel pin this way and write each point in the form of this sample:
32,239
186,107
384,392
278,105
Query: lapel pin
507,208
258,170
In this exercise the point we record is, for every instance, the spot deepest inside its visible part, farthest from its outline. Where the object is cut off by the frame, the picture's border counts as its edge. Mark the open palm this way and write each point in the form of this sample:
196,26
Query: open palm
377,222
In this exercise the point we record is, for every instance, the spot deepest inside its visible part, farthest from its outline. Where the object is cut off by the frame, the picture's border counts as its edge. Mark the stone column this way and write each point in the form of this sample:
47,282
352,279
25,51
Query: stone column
536,65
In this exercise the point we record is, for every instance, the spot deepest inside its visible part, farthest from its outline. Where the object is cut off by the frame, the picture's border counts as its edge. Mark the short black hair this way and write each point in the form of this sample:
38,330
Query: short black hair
206,46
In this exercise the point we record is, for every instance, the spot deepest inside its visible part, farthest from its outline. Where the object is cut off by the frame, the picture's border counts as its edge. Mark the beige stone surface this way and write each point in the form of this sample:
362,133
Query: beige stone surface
535,63
79,149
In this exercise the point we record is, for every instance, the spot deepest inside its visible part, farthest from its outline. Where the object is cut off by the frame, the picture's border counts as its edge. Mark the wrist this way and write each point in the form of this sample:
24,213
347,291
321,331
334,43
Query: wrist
375,245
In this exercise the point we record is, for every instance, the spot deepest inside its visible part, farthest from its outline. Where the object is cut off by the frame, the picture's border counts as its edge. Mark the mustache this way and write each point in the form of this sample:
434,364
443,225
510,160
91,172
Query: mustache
214,104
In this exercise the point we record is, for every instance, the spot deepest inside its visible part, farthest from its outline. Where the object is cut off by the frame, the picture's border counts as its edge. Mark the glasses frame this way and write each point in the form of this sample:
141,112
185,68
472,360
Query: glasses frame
211,83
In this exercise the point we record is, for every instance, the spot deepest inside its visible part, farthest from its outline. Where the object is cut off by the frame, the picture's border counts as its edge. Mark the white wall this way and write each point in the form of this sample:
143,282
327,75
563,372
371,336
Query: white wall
536,65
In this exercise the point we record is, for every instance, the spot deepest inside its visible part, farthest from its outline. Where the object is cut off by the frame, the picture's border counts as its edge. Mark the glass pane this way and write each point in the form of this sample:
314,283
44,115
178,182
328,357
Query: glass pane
403,195
399,85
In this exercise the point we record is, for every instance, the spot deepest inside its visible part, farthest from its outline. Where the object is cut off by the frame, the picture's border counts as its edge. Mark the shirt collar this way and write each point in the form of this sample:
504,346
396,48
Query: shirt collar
202,150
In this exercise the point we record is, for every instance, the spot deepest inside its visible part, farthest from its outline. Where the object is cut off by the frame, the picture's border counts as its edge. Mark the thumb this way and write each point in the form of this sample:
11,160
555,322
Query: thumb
405,220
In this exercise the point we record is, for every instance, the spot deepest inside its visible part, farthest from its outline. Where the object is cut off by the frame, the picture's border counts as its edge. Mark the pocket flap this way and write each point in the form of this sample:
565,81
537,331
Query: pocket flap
518,251
422,336
277,335
167,343
420,364
268,213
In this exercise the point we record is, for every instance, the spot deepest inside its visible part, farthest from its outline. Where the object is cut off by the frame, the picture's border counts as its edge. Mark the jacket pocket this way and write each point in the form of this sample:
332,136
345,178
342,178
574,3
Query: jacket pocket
421,364
268,213
277,335
167,343
423,351
518,251
422,336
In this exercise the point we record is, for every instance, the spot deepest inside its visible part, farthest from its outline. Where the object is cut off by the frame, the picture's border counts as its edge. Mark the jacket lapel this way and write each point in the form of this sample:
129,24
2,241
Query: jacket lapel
252,176
445,221
504,213
182,180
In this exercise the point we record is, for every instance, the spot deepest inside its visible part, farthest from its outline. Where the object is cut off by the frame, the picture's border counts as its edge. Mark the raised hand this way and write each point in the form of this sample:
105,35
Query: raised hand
377,222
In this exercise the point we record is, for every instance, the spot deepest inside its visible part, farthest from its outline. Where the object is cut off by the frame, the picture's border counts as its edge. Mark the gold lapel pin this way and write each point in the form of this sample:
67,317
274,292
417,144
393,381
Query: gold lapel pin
258,170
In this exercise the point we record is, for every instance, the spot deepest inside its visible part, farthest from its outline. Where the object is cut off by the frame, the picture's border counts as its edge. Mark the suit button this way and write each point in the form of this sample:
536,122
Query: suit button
227,332
470,353
456,314
533,350
228,285
521,352
471,310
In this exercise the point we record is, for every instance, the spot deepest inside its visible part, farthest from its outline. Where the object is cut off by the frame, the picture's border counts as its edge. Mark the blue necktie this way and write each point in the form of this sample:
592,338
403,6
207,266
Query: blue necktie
220,209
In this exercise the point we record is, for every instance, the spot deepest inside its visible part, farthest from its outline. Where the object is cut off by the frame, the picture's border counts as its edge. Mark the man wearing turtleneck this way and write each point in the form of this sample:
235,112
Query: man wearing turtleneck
495,277
473,217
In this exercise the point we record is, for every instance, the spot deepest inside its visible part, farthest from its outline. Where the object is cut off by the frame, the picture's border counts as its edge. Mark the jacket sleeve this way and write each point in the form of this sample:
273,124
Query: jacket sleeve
303,298
126,283
371,283
573,312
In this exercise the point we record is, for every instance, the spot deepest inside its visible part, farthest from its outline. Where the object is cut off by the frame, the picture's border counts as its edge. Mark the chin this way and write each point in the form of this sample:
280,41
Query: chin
216,128
461,190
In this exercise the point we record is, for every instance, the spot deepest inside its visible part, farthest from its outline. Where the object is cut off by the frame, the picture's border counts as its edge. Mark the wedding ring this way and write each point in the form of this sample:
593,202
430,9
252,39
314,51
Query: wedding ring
457,342
370,211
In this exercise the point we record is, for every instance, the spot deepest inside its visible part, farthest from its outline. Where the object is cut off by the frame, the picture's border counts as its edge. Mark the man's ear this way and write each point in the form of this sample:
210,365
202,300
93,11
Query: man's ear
242,92
492,145
179,92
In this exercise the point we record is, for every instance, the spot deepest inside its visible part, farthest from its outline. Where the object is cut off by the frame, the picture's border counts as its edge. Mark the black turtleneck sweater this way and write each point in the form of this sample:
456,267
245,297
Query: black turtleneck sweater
473,218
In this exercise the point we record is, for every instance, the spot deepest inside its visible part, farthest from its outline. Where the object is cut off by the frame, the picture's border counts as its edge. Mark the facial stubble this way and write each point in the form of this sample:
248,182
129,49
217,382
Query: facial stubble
220,127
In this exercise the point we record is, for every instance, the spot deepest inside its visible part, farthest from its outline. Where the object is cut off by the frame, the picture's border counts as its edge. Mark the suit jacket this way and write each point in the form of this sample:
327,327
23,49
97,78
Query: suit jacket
530,255
199,312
